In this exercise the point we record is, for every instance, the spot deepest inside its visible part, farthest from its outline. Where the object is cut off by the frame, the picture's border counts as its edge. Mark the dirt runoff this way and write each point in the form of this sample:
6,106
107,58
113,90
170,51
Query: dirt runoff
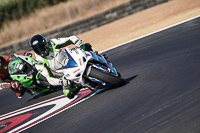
141,23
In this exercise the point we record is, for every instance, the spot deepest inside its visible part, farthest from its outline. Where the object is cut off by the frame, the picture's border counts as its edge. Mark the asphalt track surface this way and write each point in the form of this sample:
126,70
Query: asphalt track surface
162,94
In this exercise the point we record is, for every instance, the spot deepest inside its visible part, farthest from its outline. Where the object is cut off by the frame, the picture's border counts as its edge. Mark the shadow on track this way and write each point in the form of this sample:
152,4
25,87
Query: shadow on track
100,90
110,87
130,78
44,94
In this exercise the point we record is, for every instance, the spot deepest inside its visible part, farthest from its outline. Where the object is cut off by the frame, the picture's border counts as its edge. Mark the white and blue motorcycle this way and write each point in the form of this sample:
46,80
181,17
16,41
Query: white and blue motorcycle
87,67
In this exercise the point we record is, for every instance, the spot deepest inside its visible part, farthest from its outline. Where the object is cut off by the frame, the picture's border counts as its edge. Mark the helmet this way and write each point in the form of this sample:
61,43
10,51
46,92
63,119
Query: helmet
38,44
17,66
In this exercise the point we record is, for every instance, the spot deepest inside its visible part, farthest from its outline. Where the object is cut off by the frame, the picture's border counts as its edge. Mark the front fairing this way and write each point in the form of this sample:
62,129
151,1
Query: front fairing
80,62
97,57
101,63
76,65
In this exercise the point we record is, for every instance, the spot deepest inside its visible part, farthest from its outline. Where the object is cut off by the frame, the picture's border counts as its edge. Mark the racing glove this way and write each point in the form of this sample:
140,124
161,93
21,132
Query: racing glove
86,47
14,84
15,87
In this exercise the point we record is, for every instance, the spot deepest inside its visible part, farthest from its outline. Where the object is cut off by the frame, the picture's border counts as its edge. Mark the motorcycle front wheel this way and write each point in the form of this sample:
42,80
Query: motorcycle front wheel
107,77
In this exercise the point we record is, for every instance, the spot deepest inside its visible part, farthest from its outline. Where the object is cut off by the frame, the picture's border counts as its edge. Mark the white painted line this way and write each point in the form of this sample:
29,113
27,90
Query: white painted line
61,103
150,33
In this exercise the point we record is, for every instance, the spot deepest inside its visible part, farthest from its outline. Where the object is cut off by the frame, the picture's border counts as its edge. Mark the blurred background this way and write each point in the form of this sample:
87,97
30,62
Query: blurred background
20,19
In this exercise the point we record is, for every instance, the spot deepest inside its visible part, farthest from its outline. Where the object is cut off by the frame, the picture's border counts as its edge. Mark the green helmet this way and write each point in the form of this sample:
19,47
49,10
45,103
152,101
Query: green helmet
15,66
20,67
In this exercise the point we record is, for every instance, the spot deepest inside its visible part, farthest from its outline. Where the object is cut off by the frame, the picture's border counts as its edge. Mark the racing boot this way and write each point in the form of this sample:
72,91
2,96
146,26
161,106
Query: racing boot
71,92
18,91
17,88
70,89
14,86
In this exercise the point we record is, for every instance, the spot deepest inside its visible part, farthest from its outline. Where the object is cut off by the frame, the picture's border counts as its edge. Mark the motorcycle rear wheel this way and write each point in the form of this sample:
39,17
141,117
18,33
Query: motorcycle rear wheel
107,77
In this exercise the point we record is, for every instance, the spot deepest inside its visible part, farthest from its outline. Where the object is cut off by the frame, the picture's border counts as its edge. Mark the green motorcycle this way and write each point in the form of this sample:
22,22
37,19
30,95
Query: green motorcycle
22,69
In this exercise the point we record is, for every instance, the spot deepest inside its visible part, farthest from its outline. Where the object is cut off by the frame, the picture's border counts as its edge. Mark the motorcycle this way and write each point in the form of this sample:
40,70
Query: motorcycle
87,67
27,74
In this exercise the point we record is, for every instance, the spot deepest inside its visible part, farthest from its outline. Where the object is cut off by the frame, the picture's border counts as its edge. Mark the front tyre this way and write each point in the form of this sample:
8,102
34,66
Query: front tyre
106,77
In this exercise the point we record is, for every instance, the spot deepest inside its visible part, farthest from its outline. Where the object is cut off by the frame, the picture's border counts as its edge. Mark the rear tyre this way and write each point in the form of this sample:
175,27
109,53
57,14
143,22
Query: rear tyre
106,77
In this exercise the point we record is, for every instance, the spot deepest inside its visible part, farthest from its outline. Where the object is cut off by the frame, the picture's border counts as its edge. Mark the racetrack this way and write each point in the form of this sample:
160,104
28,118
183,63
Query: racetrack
161,94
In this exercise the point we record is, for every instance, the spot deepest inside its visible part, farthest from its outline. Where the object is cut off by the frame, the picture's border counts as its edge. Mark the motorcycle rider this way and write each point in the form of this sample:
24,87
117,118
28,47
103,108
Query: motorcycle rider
52,56
28,68
5,80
